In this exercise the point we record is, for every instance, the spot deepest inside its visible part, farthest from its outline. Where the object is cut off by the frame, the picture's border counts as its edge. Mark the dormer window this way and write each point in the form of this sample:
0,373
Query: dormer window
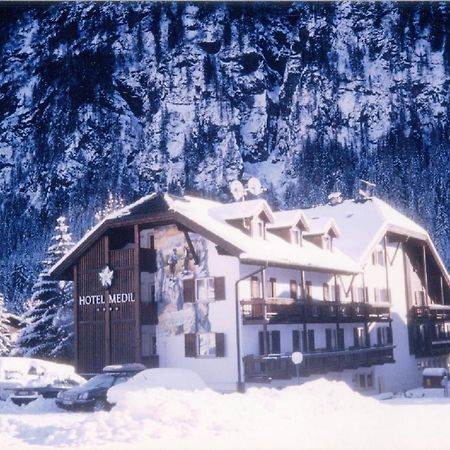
296,237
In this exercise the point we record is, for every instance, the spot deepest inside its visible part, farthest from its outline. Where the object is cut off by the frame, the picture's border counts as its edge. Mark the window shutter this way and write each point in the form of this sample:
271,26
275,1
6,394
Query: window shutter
305,341
261,342
341,341
190,345
367,339
389,335
293,289
328,338
311,343
275,338
379,336
337,290
295,341
189,290
219,288
366,294
220,345
355,337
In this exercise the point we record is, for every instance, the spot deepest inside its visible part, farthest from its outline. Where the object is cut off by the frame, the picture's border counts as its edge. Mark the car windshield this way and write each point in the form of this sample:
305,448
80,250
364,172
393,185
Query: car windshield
104,380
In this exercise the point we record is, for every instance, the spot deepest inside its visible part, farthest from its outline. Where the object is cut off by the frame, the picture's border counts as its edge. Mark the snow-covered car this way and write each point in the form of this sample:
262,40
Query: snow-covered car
22,379
180,379
91,396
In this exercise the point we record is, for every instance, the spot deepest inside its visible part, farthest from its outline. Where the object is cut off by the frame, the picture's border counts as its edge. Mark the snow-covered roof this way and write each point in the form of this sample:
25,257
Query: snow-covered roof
288,219
210,218
239,210
363,224
321,225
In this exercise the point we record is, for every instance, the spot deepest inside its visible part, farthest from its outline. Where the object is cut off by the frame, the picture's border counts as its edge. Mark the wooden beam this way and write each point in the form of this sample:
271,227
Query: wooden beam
425,275
391,262
442,289
75,315
386,266
191,247
107,312
137,294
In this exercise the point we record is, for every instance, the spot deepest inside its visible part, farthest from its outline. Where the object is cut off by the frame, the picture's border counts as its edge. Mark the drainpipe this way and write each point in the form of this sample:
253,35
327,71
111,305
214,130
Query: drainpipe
240,383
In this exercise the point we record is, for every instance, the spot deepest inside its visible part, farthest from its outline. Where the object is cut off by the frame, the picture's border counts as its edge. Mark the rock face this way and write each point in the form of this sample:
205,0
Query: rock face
133,97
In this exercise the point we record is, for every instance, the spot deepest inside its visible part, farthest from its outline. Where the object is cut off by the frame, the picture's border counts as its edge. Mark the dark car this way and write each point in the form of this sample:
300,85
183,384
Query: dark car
25,395
91,396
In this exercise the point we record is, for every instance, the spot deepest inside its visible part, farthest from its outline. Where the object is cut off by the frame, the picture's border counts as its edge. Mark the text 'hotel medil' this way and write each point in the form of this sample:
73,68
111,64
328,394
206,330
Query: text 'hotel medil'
232,290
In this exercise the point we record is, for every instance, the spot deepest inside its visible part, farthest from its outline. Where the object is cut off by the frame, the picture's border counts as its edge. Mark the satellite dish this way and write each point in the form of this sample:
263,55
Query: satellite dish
254,186
237,189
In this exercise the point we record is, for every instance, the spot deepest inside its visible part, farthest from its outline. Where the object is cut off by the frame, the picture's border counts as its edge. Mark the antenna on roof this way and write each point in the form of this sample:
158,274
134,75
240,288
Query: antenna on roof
239,191
366,190
335,198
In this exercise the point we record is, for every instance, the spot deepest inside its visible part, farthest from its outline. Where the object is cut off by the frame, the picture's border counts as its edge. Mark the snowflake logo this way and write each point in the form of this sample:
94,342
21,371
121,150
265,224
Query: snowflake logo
106,276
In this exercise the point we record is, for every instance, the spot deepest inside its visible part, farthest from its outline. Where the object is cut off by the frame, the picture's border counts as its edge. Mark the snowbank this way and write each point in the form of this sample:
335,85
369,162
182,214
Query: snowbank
315,415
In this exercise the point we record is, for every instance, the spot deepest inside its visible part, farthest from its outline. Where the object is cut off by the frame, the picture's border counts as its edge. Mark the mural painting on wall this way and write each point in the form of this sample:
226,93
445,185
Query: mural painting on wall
175,263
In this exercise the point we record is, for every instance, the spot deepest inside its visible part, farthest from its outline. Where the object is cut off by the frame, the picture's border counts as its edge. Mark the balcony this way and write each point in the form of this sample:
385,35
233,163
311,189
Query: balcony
265,368
431,312
286,310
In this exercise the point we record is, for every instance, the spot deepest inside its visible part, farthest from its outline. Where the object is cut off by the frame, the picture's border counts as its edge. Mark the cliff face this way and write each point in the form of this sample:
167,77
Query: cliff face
135,97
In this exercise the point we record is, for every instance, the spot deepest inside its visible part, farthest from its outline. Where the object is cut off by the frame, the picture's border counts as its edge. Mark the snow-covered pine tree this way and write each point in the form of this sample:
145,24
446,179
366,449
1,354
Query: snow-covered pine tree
48,330
5,338
114,203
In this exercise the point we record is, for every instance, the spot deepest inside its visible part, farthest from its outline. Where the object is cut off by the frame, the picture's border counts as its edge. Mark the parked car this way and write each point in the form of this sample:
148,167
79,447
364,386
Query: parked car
25,395
91,396
180,379
24,379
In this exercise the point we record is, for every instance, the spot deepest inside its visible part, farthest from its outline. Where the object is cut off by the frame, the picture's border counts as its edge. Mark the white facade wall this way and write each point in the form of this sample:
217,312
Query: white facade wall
218,372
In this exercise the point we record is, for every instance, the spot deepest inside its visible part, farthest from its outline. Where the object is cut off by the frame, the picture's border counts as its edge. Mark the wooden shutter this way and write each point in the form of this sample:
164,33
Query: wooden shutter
367,339
305,341
261,342
311,343
355,337
190,347
293,289
389,335
379,342
295,341
341,340
220,345
328,338
219,288
189,290
276,344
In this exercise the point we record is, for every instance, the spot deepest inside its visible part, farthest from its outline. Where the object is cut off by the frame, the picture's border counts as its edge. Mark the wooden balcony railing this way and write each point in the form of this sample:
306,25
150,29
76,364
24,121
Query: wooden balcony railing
260,368
431,312
285,310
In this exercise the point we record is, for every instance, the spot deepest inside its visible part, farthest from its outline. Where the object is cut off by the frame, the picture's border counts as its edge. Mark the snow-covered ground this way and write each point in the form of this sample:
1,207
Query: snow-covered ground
315,415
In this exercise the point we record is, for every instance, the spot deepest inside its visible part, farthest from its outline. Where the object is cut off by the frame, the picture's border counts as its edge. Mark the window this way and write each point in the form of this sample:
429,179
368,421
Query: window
419,298
359,337
326,292
378,257
204,289
384,336
327,242
311,344
204,345
259,229
363,381
255,288
271,288
295,236
273,342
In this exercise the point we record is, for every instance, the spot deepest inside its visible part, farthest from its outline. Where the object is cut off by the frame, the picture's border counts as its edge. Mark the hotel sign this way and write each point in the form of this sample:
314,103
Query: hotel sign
106,277
101,300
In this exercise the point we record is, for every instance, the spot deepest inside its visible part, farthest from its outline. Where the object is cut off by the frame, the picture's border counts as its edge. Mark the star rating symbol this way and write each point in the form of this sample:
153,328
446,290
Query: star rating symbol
106,276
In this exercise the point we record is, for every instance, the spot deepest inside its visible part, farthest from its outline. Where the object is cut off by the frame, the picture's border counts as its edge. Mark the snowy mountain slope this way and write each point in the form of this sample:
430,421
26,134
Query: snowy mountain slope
134,97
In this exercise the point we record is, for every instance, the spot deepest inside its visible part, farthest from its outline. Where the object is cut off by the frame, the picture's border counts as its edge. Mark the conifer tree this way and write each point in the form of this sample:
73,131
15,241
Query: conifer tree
5,338
48,330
